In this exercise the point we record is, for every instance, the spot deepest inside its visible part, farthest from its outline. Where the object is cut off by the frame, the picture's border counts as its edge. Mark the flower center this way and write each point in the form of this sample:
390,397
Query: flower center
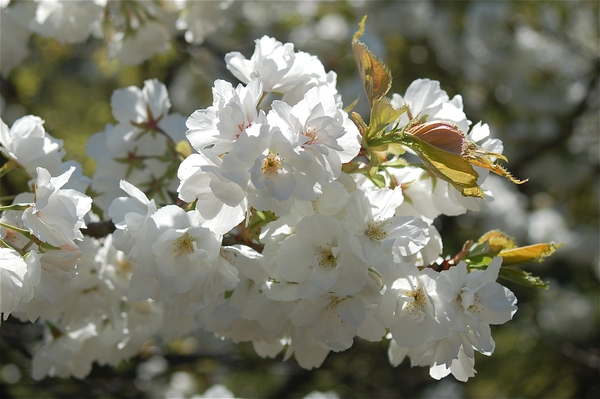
376,230
311,133
327,258
124,265
477,306
184,245
271,165
243,126
10,235
418,303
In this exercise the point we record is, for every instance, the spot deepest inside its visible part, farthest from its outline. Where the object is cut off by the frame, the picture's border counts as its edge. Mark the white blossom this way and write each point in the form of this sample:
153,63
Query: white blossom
57,214
30,146
67,21
321,258
18,277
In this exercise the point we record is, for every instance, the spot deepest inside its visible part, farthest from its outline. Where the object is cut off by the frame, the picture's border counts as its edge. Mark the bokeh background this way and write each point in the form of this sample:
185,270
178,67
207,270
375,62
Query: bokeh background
530,69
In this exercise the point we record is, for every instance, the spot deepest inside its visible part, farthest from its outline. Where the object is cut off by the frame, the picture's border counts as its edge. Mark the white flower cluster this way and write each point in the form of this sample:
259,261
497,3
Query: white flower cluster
336,257
134,30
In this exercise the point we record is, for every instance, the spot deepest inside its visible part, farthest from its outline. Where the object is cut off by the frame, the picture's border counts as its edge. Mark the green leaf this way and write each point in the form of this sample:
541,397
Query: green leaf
362,126
8,166
446,165
378,180
481,255
374,163
395,163
522,277
382,115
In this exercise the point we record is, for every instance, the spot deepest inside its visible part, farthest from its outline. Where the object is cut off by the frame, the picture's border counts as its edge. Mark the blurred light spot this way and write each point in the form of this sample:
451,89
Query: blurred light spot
576,92
332,27
183,384
322,395
154,366
307,9
219,392
418,54
11,374
546,225
503,94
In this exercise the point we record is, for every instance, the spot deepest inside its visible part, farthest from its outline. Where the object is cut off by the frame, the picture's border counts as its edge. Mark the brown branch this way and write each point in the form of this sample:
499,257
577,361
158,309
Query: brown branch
99,229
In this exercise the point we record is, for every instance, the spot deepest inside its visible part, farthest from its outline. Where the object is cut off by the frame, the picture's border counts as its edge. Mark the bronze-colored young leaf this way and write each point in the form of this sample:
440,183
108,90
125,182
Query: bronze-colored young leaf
375,75
446,165
489,160
531,253
498,240
443,135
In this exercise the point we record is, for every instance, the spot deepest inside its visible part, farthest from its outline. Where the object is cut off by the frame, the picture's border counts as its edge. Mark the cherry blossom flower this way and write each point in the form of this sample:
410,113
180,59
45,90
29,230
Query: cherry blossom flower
18,277
412,308
321,258
30,146
214,130
67,21
57,214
